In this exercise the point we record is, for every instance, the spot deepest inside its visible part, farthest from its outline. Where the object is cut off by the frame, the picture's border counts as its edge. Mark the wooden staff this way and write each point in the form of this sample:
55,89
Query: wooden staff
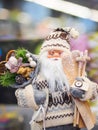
82,61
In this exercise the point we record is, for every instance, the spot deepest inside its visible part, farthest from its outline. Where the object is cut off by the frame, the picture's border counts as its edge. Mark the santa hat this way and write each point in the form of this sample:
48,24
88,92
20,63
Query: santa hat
59,39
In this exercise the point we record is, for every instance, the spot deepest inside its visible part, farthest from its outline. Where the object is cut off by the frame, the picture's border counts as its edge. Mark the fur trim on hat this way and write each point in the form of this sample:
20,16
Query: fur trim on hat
57,44
59,39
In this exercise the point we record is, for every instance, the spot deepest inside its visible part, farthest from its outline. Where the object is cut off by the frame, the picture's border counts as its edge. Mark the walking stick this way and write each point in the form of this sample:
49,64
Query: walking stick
82,61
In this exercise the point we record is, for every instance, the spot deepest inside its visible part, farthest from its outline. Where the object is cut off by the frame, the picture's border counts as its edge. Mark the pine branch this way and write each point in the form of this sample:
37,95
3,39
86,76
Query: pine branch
7,79
21,52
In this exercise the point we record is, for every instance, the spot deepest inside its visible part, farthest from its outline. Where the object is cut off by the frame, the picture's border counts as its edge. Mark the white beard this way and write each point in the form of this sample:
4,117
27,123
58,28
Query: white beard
52,71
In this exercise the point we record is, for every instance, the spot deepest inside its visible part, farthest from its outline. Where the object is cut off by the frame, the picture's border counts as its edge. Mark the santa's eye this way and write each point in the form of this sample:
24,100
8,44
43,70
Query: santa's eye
60,52
78,83
51,52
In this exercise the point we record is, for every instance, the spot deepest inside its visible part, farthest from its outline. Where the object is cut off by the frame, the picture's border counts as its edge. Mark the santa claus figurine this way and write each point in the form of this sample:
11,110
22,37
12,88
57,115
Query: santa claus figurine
60,91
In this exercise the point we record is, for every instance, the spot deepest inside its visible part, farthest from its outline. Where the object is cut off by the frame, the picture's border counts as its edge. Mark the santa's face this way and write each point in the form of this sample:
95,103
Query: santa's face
55,54
52,70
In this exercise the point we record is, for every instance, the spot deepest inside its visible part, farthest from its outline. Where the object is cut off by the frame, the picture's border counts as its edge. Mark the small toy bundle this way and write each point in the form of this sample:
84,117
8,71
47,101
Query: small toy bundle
16,69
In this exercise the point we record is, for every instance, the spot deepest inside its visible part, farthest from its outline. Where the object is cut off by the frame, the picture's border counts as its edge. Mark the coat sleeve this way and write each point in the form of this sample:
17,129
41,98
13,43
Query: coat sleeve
31,98
92,92
25,97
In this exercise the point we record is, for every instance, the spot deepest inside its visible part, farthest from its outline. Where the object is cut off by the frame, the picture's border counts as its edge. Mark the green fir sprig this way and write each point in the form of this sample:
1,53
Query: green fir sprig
21,52
7,79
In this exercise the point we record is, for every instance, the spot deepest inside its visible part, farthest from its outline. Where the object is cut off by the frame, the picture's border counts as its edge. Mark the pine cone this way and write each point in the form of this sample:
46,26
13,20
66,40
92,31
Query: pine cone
20,79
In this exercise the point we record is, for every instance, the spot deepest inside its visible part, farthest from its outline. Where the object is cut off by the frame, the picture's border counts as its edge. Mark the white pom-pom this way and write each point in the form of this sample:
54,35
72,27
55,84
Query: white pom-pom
28,55
32,63
74,33
30,59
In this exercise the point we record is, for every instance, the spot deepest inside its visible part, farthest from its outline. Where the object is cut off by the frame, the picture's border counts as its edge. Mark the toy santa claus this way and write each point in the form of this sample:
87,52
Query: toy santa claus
59,92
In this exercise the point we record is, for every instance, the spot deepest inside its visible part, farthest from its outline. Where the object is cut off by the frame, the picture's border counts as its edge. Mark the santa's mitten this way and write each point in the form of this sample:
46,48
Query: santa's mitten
40,96
31,97
84,89
77,93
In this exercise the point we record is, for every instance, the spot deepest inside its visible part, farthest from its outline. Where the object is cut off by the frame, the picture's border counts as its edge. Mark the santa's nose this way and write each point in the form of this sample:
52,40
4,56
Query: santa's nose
56,54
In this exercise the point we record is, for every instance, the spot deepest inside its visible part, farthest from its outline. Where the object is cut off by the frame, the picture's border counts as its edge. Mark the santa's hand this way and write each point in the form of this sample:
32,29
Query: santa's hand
40,96
84,89
77,93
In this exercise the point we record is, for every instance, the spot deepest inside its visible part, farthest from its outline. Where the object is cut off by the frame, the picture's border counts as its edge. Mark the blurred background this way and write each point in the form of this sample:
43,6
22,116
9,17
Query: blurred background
25,23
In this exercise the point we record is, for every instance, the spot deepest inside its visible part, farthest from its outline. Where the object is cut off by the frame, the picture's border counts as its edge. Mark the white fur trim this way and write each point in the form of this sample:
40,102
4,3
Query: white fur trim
57,44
